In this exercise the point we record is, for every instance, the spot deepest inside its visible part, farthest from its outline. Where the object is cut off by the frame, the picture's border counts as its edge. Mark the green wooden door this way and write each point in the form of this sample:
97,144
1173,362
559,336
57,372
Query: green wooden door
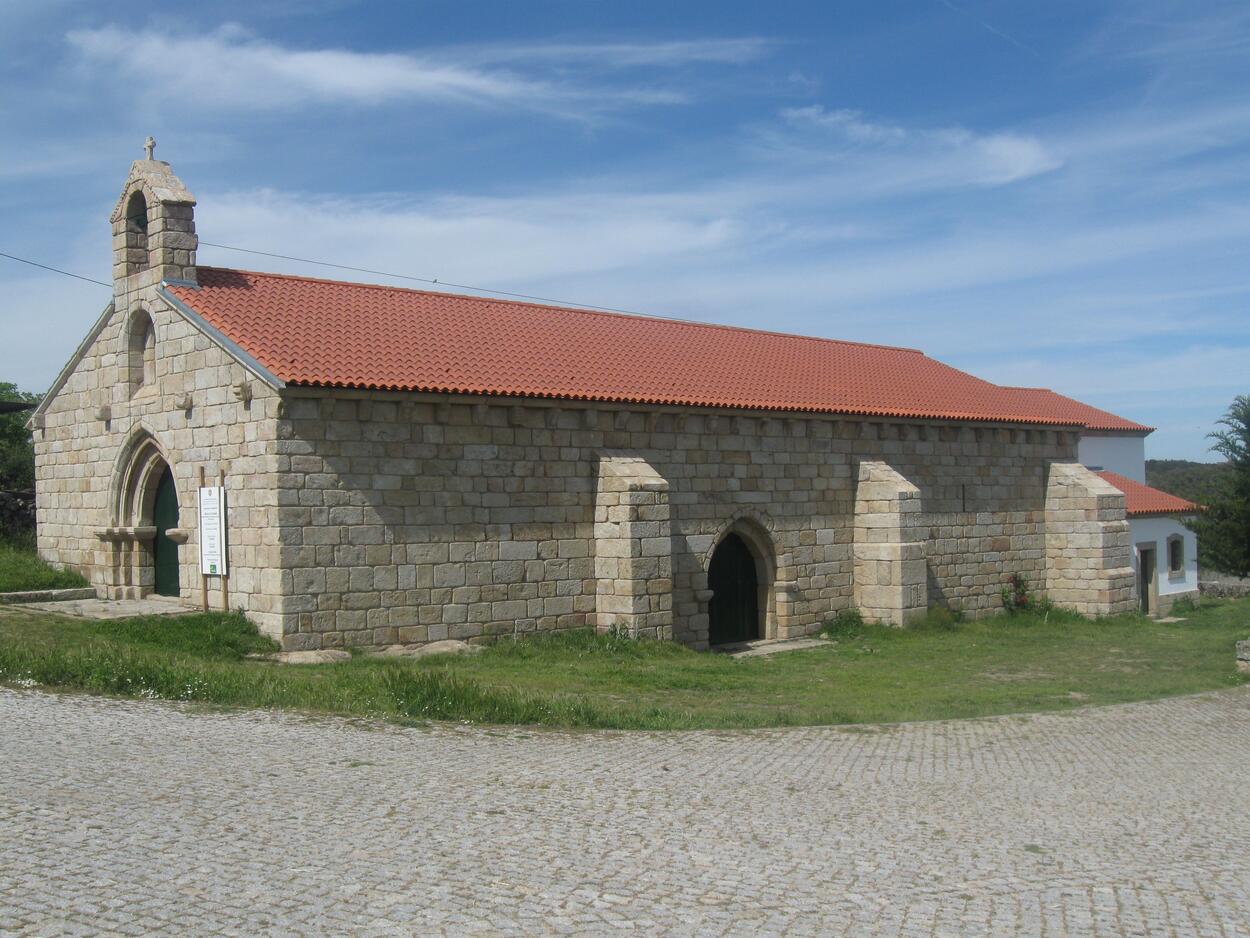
165,551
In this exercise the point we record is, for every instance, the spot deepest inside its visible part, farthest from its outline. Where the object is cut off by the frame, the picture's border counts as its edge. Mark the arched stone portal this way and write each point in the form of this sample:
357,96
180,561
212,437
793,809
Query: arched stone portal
142,542
740,578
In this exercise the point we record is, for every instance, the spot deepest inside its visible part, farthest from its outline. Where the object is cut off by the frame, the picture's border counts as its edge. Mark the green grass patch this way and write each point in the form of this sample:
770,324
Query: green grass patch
21,570
940,667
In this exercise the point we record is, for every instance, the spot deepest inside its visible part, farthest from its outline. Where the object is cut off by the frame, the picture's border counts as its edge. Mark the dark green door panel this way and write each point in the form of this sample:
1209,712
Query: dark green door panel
165,551
734,611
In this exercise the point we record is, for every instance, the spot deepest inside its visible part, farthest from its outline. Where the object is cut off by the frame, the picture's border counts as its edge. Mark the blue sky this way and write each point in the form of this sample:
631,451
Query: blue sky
1049,194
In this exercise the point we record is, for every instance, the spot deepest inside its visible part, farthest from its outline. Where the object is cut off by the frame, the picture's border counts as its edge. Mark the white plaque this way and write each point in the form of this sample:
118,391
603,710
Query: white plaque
213,530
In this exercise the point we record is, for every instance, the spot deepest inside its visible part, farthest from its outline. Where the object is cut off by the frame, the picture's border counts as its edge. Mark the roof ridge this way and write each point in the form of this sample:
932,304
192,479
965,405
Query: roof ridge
649,317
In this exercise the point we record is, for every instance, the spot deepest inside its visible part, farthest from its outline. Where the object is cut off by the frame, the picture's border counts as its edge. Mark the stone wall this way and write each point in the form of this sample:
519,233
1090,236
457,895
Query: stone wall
411,518
372,518
194,416
1088,554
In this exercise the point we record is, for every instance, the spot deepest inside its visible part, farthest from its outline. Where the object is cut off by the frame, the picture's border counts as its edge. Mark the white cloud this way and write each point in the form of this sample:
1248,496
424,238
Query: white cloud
952,153
623,55
231,68
1171,34
846,122
491,242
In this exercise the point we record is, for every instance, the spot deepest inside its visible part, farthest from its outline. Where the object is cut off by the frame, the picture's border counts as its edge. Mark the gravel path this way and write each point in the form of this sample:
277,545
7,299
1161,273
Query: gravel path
136,817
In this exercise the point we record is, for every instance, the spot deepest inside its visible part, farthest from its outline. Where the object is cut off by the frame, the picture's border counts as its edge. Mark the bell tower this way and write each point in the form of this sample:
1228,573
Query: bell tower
153,228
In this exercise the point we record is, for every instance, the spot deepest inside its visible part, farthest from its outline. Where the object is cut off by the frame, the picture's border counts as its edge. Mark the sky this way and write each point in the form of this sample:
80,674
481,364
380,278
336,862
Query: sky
1048,194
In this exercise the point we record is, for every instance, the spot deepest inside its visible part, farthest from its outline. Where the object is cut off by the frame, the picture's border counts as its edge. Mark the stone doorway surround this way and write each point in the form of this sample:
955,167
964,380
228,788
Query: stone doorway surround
127,544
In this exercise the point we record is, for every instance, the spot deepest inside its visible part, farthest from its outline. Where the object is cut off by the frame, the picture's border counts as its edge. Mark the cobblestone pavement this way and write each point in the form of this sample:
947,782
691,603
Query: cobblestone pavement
143,817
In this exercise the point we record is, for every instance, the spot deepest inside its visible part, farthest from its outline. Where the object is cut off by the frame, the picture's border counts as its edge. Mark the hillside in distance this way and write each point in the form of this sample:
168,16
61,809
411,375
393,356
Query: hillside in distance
1196,481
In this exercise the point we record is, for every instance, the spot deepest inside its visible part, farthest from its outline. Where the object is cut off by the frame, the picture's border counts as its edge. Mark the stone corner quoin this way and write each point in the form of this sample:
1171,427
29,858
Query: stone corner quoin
376,518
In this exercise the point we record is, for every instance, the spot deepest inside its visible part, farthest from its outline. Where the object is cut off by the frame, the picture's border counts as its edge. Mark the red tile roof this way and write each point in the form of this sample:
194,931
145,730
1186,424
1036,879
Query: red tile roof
1140,499
1045,401
322,332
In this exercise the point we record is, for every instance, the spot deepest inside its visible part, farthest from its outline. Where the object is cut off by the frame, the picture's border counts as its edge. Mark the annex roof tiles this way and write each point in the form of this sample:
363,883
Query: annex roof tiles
1140,499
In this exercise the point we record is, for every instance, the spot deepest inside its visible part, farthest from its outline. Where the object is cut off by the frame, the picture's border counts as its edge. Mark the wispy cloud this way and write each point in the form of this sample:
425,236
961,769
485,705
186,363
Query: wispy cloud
1173,32
953,153
622,55
539,239
231,68
845,122
991,28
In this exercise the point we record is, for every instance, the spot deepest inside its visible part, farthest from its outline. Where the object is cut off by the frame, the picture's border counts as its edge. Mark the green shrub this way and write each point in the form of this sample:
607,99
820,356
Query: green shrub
1017,597
846,624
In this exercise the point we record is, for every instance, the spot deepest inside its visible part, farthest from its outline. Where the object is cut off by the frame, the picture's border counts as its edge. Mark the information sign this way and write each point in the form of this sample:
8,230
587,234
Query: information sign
213,530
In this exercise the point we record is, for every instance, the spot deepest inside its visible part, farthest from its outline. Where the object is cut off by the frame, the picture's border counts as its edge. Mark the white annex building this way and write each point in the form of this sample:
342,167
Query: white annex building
1165,551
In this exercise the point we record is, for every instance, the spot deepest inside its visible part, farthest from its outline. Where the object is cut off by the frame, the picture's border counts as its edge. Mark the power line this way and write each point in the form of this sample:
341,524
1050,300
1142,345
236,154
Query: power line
360,270
55,270
430,280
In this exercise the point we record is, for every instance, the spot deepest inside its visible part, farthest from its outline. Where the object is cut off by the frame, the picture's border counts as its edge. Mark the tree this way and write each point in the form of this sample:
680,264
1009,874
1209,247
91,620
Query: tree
1224,528
17,452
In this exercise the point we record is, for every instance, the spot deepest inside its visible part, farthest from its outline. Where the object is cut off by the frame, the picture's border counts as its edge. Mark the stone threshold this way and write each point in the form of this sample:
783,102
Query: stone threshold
767,646
47,596
92,608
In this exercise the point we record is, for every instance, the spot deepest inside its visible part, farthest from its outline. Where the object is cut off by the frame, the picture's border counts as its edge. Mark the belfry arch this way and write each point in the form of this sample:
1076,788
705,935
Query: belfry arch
136,232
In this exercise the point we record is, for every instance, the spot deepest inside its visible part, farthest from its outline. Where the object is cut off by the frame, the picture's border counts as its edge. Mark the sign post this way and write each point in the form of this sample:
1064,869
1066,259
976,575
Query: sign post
203,575
225,574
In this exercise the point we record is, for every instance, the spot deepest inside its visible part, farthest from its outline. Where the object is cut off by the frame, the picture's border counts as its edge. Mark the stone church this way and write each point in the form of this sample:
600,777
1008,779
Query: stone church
403,466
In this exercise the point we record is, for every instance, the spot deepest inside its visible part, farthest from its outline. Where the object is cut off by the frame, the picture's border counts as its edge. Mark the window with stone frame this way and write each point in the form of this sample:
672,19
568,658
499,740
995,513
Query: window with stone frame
141,352
1176,555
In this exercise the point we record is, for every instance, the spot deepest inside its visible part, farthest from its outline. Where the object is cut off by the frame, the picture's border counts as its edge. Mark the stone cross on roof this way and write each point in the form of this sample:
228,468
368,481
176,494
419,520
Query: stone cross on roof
149,147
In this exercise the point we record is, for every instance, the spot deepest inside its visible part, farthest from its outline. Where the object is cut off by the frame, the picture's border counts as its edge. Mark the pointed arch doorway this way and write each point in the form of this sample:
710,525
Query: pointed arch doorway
734,579
144,537
164,550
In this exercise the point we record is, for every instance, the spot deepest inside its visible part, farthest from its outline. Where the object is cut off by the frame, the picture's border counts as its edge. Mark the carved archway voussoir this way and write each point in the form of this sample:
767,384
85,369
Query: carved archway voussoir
743,520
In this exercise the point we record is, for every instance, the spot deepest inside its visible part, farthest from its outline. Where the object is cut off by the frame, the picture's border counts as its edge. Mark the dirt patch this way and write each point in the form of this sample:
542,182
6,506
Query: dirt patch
1122,665
1016,677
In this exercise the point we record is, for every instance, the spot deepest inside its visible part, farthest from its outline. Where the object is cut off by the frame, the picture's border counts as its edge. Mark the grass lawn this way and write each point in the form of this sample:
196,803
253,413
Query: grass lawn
21,570
866,674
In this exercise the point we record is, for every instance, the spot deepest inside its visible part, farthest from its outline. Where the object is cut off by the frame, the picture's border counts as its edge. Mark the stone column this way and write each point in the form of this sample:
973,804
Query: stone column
633,549
889,547
1088,554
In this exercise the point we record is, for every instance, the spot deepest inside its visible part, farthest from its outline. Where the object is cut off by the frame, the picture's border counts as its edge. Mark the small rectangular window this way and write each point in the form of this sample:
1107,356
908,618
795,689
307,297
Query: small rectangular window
1176,554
